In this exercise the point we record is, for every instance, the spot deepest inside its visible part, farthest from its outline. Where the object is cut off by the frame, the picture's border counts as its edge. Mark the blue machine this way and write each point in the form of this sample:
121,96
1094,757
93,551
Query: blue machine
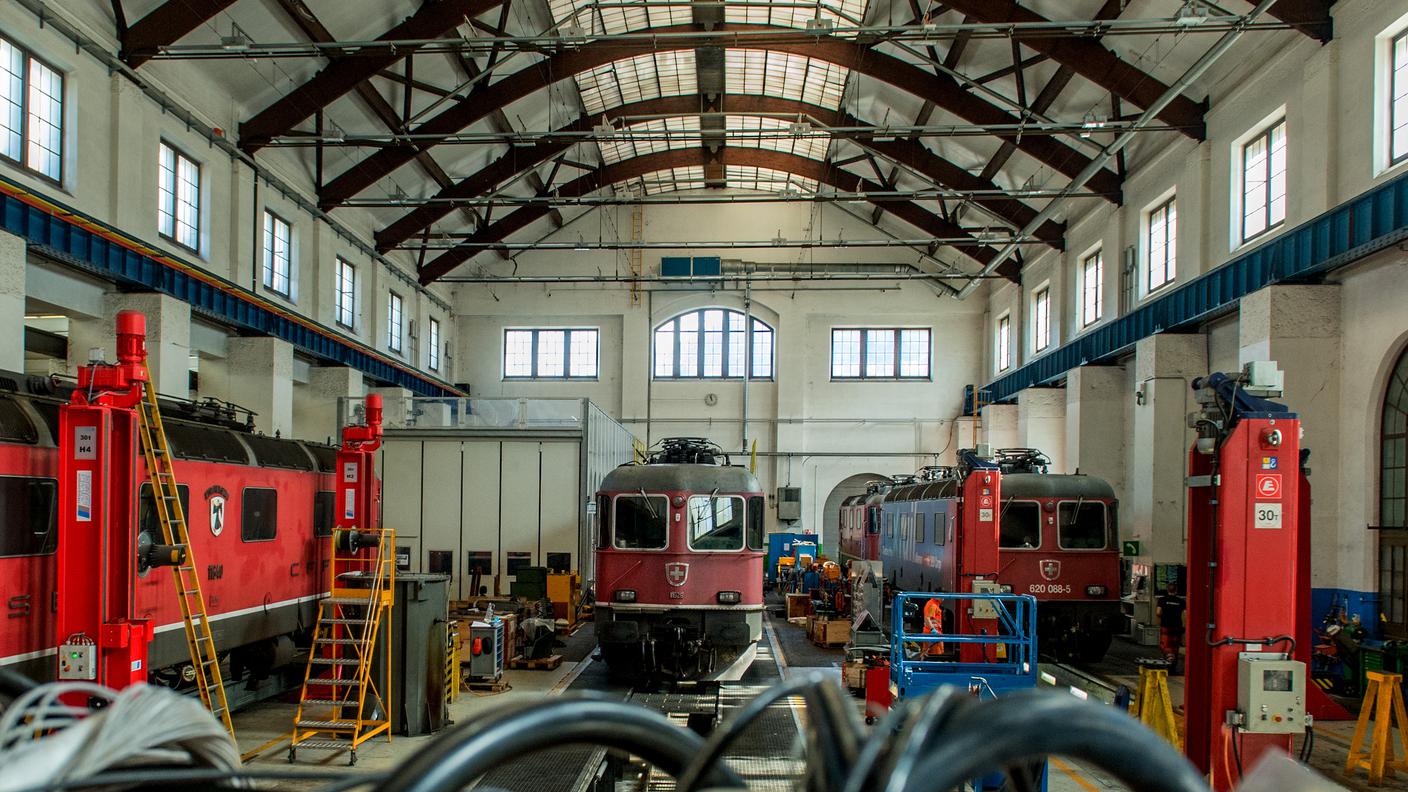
1011,652
780,545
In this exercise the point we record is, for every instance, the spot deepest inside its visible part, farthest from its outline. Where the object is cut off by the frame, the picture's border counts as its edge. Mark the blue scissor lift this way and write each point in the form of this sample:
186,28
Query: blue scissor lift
1008,653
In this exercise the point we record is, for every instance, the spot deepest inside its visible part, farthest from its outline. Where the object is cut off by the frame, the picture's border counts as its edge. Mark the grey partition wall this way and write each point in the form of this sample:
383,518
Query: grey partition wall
495,483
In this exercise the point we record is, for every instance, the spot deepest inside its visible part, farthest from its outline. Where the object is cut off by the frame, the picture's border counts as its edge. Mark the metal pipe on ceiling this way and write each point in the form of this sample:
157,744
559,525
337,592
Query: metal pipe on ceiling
1175,90
465,240
799,277
924,194
865,34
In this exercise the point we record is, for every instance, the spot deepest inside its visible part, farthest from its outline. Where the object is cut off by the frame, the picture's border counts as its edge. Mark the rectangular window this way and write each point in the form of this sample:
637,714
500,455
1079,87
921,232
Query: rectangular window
30,506
1041,318
551,353
1398,99
880,353
1092,294
1002,348
259,515
757,532
432,338
919,528
31,112
638,523
1162,244
178,198
1081,525
1021,525
278,253
148,523
1264,181
395,322
324,510
345,297
715,523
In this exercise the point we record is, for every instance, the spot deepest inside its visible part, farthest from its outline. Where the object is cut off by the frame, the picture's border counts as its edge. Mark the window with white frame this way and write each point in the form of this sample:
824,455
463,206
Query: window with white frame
1264,181
880,353
551,353
713,343
278,254
1092,294
432,338
31,111
178,197
1398,99
1041,318
1160,244
345,296
395,322
1002,347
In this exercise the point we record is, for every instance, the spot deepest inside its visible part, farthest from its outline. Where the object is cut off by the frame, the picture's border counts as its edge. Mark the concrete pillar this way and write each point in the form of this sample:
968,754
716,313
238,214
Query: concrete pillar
1097,401
999,426
261,379
168,337
12,282
1041,423
1299,328
1154,513
317,418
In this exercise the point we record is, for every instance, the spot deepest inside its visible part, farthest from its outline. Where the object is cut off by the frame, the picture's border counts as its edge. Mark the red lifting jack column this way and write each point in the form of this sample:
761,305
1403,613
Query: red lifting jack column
98,635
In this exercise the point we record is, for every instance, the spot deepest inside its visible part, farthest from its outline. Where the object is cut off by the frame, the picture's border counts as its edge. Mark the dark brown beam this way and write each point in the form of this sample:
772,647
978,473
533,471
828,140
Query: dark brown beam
943,90
636,167
907,152
1311,17
1095,62
346,72
166,25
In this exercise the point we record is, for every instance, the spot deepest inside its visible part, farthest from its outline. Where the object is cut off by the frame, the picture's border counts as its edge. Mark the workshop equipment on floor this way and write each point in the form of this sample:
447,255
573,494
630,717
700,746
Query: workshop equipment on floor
114,411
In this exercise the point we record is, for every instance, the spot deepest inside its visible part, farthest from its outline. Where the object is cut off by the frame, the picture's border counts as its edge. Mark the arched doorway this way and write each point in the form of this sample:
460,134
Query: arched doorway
831,514
1393,501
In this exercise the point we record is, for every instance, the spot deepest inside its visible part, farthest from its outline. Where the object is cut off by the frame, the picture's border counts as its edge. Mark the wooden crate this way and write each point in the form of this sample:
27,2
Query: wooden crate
830,632
797,605
536,664
853,675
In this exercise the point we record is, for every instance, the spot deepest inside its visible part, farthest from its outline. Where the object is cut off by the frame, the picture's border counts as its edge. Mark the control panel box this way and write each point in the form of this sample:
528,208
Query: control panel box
78,661
985,608
1271,694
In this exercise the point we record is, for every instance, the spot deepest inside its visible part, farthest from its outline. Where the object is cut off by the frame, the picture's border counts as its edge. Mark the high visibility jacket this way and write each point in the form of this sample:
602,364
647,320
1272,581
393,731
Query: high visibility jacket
934,625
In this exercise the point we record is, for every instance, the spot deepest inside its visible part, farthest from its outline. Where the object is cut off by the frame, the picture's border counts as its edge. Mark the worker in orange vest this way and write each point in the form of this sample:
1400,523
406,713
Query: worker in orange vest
934,625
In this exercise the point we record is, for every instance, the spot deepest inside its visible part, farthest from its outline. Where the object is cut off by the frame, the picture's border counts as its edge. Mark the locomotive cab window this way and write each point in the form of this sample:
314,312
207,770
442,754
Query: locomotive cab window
640,523
757,532
30,504
146,510
259,519
1082,528
715,523
1021,525
324,506
603,521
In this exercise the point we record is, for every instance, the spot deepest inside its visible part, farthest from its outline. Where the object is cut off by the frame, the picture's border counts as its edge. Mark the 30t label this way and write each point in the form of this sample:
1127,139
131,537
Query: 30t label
1267,515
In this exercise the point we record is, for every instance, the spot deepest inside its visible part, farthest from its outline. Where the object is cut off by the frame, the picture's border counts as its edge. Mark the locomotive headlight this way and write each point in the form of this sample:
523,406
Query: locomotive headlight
729,597
1005,588
1094,591
624,595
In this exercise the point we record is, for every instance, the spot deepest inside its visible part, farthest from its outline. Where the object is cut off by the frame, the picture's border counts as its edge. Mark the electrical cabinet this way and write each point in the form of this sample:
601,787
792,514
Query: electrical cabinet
1271,694
789,503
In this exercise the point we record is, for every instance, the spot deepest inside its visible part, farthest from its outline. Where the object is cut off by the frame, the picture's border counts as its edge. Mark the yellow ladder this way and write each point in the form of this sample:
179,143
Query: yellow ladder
339,680
635,256
172,516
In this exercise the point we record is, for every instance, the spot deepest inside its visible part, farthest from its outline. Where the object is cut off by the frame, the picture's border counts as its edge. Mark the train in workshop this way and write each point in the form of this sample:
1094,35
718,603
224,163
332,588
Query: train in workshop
680,542
1058,541
259,510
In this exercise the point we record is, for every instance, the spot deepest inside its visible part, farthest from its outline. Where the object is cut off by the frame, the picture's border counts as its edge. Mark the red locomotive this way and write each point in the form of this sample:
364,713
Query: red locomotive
679,565
1058,541
258,508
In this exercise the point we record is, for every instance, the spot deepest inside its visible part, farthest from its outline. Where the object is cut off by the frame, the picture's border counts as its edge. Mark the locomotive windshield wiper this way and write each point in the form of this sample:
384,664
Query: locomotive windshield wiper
653,514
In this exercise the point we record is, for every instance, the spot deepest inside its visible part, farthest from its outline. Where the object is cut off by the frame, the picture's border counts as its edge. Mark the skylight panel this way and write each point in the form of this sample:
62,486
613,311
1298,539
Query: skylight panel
669,180
746,177
840,13
619,16
634,79
648,137
785,75
773,133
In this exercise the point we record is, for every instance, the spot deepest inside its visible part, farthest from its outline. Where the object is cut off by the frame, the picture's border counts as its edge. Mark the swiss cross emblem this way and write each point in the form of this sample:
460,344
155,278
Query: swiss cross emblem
676,573
1051,569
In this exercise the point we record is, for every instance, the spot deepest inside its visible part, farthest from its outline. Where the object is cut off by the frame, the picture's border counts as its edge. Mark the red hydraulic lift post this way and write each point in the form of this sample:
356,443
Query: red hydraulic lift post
977,558
99,637
1245,691
358,491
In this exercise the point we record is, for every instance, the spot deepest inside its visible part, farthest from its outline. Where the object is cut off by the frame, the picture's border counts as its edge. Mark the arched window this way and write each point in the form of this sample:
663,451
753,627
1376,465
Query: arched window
712,343
1393,495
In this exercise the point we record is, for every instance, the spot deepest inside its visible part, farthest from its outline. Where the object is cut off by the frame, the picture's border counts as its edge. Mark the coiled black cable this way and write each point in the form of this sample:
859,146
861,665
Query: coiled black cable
468,751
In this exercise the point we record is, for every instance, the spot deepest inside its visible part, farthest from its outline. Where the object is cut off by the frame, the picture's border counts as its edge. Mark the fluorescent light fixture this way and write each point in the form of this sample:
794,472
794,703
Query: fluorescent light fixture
1191,13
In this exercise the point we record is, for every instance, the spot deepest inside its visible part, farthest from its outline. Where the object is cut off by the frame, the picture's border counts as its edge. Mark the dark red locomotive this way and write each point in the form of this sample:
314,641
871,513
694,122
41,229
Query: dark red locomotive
258,509
679,565
1058,541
